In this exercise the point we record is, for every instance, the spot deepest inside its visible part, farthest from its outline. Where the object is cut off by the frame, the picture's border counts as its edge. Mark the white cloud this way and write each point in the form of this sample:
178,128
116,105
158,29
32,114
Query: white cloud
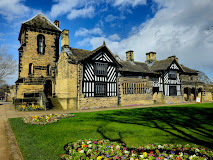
12,9
110,18
181,28
133,3
114,37
85,12
85,32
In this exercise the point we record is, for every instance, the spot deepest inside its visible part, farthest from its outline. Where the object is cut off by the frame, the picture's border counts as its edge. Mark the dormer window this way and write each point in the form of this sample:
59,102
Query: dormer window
172,74
41,44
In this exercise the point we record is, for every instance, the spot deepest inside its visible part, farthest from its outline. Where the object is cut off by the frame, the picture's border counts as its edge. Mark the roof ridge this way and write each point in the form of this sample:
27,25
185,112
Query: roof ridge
41,14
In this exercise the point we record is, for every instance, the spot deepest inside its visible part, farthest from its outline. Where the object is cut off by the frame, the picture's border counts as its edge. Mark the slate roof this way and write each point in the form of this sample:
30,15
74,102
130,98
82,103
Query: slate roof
40,21
134,67
161,65
77,55
188,70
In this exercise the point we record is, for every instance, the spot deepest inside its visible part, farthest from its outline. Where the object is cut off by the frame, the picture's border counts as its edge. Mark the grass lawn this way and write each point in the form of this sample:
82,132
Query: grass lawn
135,127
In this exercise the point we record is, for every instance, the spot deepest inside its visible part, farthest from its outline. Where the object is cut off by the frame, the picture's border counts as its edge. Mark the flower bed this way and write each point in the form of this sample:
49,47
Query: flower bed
107,150
46,119
29,107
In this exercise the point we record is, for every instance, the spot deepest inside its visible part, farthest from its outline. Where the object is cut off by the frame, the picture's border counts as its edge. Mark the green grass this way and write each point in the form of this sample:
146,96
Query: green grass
170,124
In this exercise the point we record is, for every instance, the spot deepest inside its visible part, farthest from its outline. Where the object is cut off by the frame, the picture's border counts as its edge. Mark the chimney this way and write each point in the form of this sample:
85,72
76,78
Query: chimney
65,38
56,23
150,57
129,56
173,57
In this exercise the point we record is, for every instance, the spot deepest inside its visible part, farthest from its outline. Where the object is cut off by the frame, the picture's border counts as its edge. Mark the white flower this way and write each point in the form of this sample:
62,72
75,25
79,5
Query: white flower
133,154
126,152
197,150
82,151
141,156
148,147
82,142
191,157
160,147
89,150
90,145
88,142
111,149
117,147
131,158
181,154
171,155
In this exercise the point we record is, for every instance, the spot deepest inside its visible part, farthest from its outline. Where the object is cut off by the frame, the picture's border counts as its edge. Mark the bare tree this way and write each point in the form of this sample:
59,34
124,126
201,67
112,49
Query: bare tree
7,64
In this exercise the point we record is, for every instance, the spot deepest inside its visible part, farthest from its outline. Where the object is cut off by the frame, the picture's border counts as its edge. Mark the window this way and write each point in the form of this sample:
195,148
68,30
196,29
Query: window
48,70
172,74
41,44
101,69
191,78
172,91
31,69
100,89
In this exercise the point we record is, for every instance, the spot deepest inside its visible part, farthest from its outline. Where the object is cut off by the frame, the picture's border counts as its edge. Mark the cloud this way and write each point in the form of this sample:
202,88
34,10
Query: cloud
114,37
85,12
133,3
85,32
12,9
181,28
110,18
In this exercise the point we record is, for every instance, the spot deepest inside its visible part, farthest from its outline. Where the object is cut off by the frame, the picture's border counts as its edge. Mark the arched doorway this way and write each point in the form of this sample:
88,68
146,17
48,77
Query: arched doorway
48,88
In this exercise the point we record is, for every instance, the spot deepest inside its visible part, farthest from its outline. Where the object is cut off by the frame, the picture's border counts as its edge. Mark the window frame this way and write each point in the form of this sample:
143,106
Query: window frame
41,36
102,71
104,94
170,74
31,69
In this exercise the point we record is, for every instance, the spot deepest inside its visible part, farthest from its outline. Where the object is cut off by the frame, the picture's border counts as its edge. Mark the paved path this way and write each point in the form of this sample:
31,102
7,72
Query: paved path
9,149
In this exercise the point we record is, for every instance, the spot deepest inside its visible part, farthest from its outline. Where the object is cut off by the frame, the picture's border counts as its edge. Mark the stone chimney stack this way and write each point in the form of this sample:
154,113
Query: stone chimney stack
56,23
130,56
150,57
65,38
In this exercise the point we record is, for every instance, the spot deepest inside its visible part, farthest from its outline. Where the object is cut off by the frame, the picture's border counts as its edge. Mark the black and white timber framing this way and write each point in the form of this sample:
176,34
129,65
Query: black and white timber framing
169,82
100,76
172,85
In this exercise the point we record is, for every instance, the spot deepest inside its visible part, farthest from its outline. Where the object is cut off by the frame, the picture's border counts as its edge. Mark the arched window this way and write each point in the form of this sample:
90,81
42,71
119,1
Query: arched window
41,44
48,70
31,69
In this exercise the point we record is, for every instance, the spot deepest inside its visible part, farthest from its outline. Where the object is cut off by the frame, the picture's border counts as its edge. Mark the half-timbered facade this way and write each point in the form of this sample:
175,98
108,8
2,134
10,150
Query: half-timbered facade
81,79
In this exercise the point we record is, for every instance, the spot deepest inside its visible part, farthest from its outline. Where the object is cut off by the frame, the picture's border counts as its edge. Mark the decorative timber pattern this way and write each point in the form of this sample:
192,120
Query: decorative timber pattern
100,77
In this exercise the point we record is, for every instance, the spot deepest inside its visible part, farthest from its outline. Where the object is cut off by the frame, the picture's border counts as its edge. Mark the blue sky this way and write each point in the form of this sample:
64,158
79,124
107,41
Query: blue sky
169,27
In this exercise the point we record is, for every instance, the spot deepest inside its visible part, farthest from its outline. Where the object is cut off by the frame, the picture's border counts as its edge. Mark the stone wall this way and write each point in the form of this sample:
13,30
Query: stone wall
128,97
66,82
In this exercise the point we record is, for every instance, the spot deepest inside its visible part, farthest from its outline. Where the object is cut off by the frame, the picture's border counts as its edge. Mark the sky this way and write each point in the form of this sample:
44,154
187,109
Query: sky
168,27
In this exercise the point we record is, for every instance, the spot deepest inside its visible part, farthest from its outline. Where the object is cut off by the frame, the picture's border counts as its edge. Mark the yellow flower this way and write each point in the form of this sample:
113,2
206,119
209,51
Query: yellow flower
144,154
99,158
157,151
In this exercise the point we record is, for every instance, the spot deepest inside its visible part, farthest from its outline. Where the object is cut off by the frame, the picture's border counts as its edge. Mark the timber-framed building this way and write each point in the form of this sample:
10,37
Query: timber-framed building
80,78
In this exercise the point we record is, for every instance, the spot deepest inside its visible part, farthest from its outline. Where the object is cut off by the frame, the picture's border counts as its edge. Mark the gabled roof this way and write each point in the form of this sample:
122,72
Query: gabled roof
77,55
161,65
188,70
40,21
129,66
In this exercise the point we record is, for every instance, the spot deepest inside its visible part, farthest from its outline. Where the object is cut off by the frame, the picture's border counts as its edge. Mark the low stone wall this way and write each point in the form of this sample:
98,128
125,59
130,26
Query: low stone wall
91,102
136,99
173,99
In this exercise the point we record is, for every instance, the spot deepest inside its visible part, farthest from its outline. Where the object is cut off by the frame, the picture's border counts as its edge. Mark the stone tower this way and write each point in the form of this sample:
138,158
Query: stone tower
38,55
